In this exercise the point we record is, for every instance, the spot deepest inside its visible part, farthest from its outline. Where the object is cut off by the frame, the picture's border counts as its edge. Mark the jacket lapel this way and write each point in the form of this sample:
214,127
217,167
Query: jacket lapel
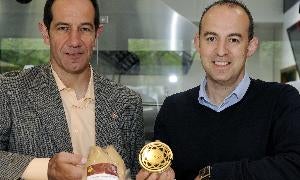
107,117
45,97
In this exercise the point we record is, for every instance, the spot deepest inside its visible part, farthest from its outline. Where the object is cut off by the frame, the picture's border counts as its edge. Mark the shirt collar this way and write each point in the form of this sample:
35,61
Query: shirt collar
90,91
242,87
202,92
239,91
61,86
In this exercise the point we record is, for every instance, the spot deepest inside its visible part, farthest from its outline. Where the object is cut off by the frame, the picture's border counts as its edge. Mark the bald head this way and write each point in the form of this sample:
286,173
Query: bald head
234,5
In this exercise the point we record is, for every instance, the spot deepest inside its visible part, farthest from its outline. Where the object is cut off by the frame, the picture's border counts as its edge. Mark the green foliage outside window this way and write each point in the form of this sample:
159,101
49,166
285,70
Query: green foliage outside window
15,53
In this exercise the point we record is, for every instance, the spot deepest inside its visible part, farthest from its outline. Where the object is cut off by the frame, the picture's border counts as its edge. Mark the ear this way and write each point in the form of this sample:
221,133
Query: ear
197,41
99,30
252,46
44,31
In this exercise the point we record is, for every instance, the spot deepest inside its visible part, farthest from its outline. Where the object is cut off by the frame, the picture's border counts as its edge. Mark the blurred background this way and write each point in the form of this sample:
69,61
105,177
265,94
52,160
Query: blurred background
147,45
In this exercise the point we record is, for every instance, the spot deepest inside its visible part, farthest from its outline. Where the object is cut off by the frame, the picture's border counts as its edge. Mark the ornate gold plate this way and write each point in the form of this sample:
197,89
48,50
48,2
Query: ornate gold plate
155,157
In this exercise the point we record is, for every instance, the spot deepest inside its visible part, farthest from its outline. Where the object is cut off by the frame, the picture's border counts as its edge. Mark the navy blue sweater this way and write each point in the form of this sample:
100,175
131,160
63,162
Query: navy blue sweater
256,138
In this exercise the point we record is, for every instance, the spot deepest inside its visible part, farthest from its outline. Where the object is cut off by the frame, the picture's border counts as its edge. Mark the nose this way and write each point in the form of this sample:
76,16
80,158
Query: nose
221,48
74,39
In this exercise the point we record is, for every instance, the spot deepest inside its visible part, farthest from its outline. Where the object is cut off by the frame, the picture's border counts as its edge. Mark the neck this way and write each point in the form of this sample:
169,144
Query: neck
218,91
79,82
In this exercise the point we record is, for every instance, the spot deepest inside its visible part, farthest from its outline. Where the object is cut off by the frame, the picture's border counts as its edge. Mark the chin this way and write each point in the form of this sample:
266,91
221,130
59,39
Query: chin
220,79
77,68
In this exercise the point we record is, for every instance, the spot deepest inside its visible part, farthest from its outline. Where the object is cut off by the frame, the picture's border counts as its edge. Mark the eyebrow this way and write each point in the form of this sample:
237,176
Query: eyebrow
215,34
67,24
209,33
235,34
61,23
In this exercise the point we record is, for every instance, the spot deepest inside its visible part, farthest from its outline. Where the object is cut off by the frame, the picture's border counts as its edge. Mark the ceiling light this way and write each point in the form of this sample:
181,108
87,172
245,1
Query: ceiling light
173,79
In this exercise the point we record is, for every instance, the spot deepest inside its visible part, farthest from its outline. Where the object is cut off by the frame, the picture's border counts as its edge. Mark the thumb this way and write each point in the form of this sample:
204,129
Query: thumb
75,159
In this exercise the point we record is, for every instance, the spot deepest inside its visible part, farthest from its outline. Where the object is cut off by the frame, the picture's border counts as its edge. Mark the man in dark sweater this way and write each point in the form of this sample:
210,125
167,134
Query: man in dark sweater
231,126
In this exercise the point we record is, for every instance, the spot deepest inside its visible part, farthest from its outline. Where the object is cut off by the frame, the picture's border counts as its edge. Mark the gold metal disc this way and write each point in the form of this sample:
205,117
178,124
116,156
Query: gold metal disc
155,157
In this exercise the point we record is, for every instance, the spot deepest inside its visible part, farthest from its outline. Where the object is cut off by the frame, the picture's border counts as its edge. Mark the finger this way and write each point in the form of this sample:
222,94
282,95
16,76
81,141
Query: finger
197,178
69,158
170,174
75,172
153,176
142,175
163,176
167,175
59,167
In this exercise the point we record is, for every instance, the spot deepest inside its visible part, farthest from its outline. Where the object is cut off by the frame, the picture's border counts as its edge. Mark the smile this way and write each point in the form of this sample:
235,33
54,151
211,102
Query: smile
74,55
221,63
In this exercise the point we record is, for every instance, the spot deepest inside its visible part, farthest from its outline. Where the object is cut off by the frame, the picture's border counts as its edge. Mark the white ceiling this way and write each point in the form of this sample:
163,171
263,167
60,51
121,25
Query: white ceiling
263,11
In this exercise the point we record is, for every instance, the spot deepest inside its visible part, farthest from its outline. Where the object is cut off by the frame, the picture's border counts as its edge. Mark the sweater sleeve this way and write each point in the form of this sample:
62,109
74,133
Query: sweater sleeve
284,161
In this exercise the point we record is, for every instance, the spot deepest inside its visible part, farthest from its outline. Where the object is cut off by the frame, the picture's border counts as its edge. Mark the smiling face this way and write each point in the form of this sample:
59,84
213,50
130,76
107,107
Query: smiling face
71,35
223,44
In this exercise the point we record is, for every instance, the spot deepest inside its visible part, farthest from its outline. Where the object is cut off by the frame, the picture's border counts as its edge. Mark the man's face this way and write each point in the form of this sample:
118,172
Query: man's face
72,35
223,44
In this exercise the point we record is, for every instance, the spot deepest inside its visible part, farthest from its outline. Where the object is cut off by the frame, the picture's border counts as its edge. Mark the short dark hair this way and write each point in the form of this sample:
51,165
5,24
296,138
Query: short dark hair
48,16
232,3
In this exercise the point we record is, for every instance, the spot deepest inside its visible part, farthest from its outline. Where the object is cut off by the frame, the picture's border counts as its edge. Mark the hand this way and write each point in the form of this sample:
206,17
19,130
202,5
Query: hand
197,178
66,166
169,174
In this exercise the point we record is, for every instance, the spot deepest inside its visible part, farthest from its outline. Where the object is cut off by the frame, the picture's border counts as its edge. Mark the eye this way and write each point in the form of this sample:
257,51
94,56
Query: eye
63,28
234,40
86,29
211,39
